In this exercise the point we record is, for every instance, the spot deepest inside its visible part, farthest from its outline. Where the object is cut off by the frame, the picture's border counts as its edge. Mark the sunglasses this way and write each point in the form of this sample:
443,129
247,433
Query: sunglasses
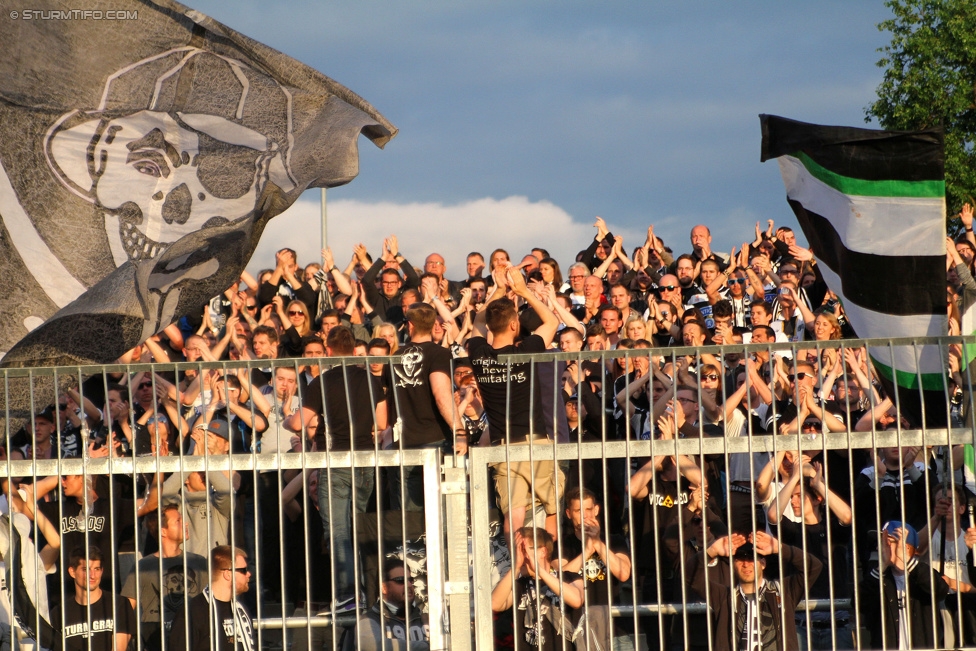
399,580
145,385
667,288
737,281
811,424
251,307
240,570
295,313
798,376
710,376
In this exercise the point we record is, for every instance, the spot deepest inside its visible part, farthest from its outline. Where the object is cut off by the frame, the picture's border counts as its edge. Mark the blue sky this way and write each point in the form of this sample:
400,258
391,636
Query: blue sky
542,115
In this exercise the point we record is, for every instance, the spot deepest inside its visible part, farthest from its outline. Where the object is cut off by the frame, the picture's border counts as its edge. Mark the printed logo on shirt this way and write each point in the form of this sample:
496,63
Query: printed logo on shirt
494,372
82,524
594,569
98,626
412,362
242,637
667,501
417,633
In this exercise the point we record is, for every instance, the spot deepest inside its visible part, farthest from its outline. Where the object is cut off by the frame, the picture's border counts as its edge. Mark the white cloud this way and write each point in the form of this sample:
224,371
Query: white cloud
515,224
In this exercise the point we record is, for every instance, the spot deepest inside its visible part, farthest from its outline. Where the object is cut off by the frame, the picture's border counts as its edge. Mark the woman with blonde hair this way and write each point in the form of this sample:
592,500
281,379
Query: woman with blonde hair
826,327
636,329
297,323
388,332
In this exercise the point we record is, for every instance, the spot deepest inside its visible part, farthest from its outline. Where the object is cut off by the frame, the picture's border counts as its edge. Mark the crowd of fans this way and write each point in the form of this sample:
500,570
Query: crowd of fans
750,534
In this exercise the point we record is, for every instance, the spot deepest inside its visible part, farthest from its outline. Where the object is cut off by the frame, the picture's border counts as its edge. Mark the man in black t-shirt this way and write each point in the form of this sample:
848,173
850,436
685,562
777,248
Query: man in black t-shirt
602,564
424,401
216,620
92,622
76,523
338,426
512,398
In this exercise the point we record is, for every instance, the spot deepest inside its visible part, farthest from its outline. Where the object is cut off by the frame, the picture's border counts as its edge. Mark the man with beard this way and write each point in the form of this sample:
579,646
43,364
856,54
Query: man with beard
216,618
385,625
684,270
165,579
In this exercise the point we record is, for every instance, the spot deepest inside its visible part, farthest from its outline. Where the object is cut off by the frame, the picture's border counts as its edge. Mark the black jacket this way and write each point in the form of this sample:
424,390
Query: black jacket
388,309
790,589
925,589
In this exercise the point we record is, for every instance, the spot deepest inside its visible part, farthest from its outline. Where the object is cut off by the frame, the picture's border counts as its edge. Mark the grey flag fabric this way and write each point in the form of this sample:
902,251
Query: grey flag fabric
140,160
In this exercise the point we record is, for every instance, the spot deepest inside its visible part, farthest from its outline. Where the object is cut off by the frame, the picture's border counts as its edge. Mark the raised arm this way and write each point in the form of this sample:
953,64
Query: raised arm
549,320
966,216
341,279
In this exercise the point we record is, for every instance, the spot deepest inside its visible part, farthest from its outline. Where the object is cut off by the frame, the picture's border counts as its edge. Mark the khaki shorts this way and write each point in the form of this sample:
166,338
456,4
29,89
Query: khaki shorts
529,481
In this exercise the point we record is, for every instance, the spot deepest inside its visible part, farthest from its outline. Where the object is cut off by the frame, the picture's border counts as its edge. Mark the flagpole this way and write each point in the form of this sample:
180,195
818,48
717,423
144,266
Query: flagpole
325,222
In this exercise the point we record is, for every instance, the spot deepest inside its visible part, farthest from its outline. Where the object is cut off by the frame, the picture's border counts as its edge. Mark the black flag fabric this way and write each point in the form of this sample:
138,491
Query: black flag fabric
872,206
140,159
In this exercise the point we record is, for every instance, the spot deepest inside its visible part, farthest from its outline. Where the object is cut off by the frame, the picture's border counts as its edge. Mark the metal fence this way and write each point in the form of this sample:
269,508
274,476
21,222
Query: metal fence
707,531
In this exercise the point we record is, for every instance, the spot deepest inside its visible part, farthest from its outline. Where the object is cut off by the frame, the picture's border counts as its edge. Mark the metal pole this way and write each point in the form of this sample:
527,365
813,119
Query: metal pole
325,222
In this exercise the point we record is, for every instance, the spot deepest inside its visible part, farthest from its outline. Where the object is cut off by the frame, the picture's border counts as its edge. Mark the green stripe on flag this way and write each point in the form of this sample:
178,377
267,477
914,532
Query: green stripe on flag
860,187
968,353
909,380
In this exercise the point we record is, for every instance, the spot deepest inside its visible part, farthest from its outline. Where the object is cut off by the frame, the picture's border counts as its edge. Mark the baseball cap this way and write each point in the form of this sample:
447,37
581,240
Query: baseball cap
891,529
220,428
47,414
746,552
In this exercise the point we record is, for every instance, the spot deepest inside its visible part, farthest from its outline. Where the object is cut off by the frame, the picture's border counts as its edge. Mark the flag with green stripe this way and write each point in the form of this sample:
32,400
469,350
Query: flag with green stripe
872,206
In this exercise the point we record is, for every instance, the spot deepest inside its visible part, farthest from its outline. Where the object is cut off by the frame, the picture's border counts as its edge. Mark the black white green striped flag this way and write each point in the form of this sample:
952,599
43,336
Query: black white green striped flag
872,206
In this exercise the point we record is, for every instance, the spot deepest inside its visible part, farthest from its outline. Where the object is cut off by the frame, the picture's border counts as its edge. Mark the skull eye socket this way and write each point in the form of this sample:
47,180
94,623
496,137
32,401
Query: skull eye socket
147,167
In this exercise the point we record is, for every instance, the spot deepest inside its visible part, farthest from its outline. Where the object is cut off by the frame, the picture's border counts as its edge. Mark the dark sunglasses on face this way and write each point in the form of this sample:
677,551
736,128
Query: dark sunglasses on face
710,376
814,424
145,385
251,307
737,281
799,376
399,580
295,313
667,288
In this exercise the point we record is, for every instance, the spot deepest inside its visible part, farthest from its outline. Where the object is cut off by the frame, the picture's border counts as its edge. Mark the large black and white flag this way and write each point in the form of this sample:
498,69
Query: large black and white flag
872,206
140,159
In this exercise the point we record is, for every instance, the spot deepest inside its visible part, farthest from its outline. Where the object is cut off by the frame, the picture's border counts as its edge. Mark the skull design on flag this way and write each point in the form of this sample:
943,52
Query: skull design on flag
190,160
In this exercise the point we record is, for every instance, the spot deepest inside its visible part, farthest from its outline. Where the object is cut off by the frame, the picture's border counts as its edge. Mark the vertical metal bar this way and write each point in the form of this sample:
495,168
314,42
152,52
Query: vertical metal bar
435,547
481,553
456,525
325,221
